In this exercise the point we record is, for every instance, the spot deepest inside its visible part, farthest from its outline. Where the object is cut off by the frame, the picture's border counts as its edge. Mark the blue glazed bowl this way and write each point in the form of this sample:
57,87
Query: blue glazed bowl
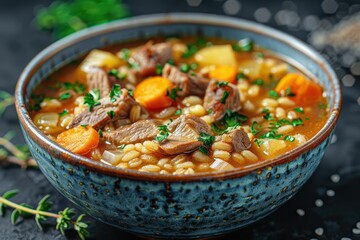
161,206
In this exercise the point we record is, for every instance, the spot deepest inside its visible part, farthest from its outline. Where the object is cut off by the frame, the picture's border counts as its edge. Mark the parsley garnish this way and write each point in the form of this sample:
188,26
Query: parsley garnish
77,87
163,134
63,113
268,116
224,97
323,105
65,96
84,125
38,99
259,142
193,66
210,111
230,121
173,93
289,93
100,133
158,69
254,128
273,94
125,54
259,55
241,76
222,83
271,134
111,114
297,122
299,110
92,98
207,140
289,138
265,110
258,81
204,150
178,112
190,51
185,68
244,45
133,65
115,92
171,62
117,74
121,147
131,92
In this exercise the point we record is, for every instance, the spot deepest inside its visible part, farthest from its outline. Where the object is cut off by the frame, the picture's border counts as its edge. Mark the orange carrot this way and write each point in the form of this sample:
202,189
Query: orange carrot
152,93
224,73
306,91
80,140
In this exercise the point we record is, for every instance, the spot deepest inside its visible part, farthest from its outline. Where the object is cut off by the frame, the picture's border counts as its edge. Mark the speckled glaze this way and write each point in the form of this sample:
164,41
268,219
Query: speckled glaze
150,205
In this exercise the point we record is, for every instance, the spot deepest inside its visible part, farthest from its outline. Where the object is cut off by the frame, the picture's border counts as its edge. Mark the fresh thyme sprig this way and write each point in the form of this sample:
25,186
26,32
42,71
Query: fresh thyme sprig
18,155
6,99
64,219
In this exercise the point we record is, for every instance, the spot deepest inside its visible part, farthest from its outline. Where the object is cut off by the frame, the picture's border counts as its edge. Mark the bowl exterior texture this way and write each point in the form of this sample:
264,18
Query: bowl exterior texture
164,209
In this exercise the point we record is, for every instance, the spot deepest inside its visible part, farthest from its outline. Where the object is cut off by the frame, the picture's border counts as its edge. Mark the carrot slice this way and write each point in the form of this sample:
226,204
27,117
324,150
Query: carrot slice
152,93
306,92
80,140
224,73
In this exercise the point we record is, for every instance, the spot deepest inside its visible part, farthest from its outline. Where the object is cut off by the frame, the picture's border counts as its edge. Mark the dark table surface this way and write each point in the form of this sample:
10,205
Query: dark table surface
314,213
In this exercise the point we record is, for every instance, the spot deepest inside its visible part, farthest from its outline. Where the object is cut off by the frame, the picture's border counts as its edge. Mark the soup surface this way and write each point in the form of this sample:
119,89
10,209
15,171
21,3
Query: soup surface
179,105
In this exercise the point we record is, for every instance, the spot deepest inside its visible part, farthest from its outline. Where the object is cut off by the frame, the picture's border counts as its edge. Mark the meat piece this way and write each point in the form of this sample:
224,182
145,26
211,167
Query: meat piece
217,102
238,138
99,116
190,84
98,78
184,134
148,55
137,132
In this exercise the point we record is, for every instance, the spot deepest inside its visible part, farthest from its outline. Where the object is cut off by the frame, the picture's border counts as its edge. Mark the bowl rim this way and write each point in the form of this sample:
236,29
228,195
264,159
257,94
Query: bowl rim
172,18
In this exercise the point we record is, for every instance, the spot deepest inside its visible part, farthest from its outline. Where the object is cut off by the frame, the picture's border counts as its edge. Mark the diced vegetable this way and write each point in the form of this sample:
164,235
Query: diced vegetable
112,157
152,93
224,73
253,68
46,119
220,165
305,91
97,58
50,104
81,139
216,55
271,147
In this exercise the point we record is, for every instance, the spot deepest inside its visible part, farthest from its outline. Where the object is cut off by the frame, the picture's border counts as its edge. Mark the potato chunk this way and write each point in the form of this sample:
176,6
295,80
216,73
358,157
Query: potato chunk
216,55
271,147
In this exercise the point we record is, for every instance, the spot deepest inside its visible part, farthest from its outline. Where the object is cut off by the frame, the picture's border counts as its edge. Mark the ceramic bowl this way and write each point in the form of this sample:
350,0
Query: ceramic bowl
161,206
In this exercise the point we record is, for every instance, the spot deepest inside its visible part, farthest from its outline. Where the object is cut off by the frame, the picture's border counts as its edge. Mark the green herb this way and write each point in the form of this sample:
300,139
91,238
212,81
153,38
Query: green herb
271,134
66,17
171,62
240,76
258,81
201,42
111,114
299,110
222,83
77,87
254,128
117,74
65,96
41,213
84,125
204,150
244,45
289,93
158,69
206,139
323,105
210,111
131,92
173,93
297,122
6,99
64,113
134,65
265,110
178,112
37,99
224,97
193,66
125,54
163,133
100,133
259,55
230,121
306,118
190,51
115,92
268,116
259,142
289,138
185,68
92,98
273,94
121,147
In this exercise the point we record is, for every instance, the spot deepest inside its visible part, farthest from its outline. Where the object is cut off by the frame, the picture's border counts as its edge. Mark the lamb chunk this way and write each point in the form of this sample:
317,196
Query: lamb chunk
137,132
98,78
217,103
99,117
190,85
148,55
184,134
238,138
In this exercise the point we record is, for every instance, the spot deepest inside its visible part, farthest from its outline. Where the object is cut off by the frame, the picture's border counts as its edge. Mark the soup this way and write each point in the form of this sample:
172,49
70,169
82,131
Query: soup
179,106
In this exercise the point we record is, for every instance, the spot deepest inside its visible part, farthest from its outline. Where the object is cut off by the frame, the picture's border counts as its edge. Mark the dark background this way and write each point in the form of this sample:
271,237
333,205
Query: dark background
337,217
